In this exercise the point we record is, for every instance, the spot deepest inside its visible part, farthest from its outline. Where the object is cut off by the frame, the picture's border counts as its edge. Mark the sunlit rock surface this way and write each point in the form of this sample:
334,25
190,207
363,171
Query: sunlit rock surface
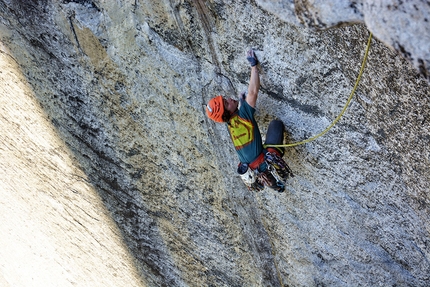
403,26
112,175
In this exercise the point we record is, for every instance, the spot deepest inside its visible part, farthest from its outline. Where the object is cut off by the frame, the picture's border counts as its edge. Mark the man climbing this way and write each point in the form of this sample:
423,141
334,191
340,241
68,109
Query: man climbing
258,166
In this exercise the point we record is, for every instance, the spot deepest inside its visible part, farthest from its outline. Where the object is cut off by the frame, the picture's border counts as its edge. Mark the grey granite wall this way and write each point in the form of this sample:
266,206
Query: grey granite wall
113,175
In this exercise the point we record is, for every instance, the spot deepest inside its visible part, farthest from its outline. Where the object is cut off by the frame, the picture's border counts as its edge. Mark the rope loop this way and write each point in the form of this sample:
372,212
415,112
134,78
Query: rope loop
344,108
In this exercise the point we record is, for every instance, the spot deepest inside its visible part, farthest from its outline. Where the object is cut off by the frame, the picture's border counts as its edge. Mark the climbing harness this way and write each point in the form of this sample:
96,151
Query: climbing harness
274,175
344,108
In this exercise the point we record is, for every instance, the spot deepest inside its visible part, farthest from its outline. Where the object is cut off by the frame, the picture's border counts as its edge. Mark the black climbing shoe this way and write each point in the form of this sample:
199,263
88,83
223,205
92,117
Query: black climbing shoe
281,186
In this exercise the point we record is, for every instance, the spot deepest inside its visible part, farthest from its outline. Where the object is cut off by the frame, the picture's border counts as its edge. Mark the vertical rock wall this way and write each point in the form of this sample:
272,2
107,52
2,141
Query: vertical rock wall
55,229
401,25
123,84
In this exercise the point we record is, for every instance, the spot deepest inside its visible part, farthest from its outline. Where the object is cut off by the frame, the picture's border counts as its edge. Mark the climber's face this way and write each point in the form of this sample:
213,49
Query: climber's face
230,105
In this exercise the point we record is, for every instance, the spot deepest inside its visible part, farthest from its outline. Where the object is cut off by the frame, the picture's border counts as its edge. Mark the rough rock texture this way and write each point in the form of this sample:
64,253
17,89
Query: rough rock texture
112,175
402,25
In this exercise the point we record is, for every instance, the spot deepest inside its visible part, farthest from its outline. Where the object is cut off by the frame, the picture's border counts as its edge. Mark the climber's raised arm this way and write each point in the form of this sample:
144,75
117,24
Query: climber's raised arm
254,82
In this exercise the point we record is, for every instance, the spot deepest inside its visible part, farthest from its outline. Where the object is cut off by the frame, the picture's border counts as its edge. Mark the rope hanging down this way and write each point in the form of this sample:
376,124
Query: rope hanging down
344,108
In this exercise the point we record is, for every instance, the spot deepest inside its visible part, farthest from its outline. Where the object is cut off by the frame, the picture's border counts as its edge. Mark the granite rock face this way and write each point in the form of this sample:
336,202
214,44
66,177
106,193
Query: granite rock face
113,176
401,25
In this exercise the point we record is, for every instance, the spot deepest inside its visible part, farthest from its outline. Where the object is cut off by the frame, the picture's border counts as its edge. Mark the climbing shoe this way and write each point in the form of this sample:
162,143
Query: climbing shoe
280,186
252,58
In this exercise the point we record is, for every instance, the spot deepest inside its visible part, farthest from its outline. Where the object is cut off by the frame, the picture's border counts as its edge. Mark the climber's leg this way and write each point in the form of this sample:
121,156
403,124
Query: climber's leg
275,135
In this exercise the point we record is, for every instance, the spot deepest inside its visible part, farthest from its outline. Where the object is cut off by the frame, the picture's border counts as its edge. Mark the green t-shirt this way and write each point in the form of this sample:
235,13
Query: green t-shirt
245,134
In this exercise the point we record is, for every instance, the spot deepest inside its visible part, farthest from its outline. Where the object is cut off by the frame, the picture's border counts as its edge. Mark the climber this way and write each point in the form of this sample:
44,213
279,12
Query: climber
258,167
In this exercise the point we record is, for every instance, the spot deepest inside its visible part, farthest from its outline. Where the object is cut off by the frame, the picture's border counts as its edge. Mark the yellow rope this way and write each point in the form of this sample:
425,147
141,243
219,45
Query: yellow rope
343,111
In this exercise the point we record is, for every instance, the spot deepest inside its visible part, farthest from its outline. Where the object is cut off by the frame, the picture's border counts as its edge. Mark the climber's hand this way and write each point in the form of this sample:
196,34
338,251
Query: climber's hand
252,59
